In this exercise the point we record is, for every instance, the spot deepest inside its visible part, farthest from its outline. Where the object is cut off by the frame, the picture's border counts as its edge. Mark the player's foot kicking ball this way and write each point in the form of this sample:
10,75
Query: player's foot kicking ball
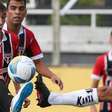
80,98
22,94
42,92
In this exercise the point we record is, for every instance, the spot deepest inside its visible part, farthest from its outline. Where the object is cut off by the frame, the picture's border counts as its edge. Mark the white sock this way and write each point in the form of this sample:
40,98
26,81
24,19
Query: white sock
80,98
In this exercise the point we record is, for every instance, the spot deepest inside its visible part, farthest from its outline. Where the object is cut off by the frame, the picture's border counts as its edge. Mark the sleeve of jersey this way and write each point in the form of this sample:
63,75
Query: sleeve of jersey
98,68
35,49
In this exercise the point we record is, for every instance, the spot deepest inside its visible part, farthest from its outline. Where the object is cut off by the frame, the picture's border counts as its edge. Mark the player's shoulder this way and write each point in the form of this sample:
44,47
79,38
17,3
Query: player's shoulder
28,30
101,57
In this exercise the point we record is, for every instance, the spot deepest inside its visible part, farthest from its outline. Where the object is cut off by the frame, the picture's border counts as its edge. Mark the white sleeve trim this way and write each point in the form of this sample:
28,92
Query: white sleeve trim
95,77
40,56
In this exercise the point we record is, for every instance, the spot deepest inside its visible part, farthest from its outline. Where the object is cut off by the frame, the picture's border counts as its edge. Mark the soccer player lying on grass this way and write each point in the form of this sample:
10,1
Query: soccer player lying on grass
80,98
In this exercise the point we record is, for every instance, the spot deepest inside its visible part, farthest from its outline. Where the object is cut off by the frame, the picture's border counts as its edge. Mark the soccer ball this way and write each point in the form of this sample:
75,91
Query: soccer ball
21,69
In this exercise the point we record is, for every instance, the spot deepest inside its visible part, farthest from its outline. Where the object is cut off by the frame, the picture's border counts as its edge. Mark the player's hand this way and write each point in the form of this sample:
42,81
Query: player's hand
57,81
105,93
26,103
108,93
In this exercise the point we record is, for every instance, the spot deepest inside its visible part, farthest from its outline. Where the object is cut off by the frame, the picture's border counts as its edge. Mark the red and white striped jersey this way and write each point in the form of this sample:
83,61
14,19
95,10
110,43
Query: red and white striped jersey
28,44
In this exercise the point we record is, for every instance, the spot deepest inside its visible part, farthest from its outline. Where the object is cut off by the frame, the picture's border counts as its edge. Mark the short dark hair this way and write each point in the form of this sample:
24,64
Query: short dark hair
8,1
2,7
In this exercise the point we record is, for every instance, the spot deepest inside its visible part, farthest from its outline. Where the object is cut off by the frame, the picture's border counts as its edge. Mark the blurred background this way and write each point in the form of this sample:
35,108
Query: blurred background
73,35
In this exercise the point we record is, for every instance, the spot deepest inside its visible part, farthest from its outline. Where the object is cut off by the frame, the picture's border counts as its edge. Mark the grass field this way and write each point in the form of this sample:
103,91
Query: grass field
74,78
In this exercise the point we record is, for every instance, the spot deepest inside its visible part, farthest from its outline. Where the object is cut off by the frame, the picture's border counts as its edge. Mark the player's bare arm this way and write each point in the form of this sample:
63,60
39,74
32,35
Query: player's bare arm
42,69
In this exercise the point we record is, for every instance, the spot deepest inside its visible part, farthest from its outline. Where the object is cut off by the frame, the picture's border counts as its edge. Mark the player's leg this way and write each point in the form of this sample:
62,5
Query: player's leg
42,92
10,97
4,104
22,94
77,98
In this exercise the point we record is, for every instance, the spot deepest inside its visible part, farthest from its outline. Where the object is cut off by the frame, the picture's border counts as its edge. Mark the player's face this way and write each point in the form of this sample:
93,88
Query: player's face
16,12
2,19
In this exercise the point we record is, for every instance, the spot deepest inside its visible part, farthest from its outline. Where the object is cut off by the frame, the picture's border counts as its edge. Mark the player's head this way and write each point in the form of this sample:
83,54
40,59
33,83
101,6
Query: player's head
24,1
2,15
16,11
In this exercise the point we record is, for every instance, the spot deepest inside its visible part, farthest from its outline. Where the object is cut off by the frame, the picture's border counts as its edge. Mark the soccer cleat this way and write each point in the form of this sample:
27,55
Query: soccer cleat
22,94
42,92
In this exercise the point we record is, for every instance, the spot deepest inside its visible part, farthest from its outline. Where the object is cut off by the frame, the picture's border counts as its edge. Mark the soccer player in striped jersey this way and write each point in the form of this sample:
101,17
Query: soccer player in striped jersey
28,44
103,70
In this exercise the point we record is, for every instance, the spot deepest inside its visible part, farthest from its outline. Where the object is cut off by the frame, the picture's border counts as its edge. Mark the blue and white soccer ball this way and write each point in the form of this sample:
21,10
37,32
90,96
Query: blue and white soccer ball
21,69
